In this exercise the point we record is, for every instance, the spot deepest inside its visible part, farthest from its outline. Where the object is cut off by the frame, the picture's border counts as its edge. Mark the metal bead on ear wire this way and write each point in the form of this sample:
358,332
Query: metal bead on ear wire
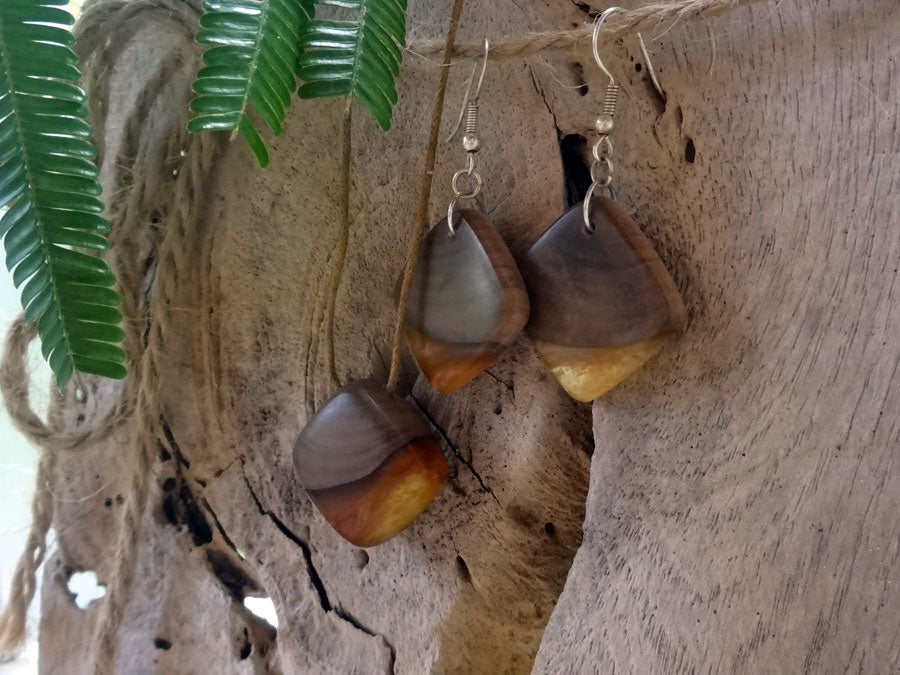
467,302
602,302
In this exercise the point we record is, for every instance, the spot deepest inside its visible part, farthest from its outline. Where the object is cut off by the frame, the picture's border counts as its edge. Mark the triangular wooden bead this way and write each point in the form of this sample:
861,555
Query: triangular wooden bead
467,302
369,463
602,304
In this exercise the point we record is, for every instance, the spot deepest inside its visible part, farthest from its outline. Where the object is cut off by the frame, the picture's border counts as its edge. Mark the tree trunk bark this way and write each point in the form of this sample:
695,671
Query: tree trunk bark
741,491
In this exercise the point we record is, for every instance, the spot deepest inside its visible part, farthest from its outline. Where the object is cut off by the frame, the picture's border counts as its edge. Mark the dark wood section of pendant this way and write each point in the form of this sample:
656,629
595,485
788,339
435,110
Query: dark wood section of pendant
467,302
605,289
353,434
467,288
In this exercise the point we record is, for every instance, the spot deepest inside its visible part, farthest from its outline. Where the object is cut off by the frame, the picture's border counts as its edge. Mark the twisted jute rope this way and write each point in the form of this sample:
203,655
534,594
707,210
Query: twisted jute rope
153,205
178,207
618,25
145,185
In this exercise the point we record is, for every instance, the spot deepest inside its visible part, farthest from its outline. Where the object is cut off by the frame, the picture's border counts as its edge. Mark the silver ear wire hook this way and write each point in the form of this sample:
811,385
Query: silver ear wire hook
595,41
653,78
470,141
468,99
602,166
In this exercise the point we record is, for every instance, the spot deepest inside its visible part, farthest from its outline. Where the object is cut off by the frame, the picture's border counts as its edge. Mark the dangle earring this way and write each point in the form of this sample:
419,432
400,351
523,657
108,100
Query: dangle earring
602,302
467,301
368,461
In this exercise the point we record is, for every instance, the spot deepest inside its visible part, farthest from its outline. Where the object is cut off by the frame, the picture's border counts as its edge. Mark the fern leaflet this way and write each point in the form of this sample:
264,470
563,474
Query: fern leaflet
250,64
359,58
48,182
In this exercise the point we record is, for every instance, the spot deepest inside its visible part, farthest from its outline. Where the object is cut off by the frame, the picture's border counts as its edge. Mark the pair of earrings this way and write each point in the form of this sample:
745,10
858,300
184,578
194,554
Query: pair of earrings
601,301
595,297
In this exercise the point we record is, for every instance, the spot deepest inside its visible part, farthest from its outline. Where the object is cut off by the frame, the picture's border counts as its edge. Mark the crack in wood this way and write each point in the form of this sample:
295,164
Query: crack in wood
540,92
506,384
454,449
314,576
173,444
218,524
572,151
181,507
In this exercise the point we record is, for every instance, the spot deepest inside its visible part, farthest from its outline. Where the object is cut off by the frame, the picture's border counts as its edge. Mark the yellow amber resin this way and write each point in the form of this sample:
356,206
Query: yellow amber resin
586,374
373,509
449,367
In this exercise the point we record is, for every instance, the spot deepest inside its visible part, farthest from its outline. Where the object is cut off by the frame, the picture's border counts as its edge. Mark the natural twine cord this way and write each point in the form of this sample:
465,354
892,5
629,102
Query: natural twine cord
179,207
146,186
343,239
24,584
144,192
621,23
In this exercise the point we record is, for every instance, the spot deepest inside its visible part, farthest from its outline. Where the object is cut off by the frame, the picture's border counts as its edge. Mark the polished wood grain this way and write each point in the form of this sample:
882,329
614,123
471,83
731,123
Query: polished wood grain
467,302
604,289
602,302
369,463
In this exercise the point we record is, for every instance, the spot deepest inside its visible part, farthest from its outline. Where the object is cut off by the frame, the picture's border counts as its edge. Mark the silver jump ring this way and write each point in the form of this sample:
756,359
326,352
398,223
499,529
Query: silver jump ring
471,194
603,179
602,149
588,198
450,213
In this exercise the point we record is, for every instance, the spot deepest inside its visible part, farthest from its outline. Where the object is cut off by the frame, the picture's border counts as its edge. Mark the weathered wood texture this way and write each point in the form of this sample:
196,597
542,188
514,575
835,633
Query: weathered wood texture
744,503
743,512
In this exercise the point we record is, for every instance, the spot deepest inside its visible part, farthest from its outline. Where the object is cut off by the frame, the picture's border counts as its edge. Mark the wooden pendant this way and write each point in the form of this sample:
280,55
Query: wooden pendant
467,302
369,462
602,304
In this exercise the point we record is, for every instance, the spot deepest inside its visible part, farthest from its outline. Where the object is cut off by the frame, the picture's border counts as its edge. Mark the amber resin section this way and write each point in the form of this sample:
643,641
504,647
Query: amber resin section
467,302
375,508
448,367
369,463
602,303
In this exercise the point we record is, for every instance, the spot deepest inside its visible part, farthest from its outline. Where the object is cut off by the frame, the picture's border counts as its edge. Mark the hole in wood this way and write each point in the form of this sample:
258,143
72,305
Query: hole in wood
690,151
362,558
573,151
578,74
263,608
463,569
246,648
85,588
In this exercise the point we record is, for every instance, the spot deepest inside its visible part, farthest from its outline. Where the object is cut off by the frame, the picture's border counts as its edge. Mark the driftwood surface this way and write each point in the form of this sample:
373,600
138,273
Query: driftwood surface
739,497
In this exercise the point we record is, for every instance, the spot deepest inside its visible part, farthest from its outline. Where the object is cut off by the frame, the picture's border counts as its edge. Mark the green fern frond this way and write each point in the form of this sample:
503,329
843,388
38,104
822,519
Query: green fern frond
48,181
254,47
359,58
